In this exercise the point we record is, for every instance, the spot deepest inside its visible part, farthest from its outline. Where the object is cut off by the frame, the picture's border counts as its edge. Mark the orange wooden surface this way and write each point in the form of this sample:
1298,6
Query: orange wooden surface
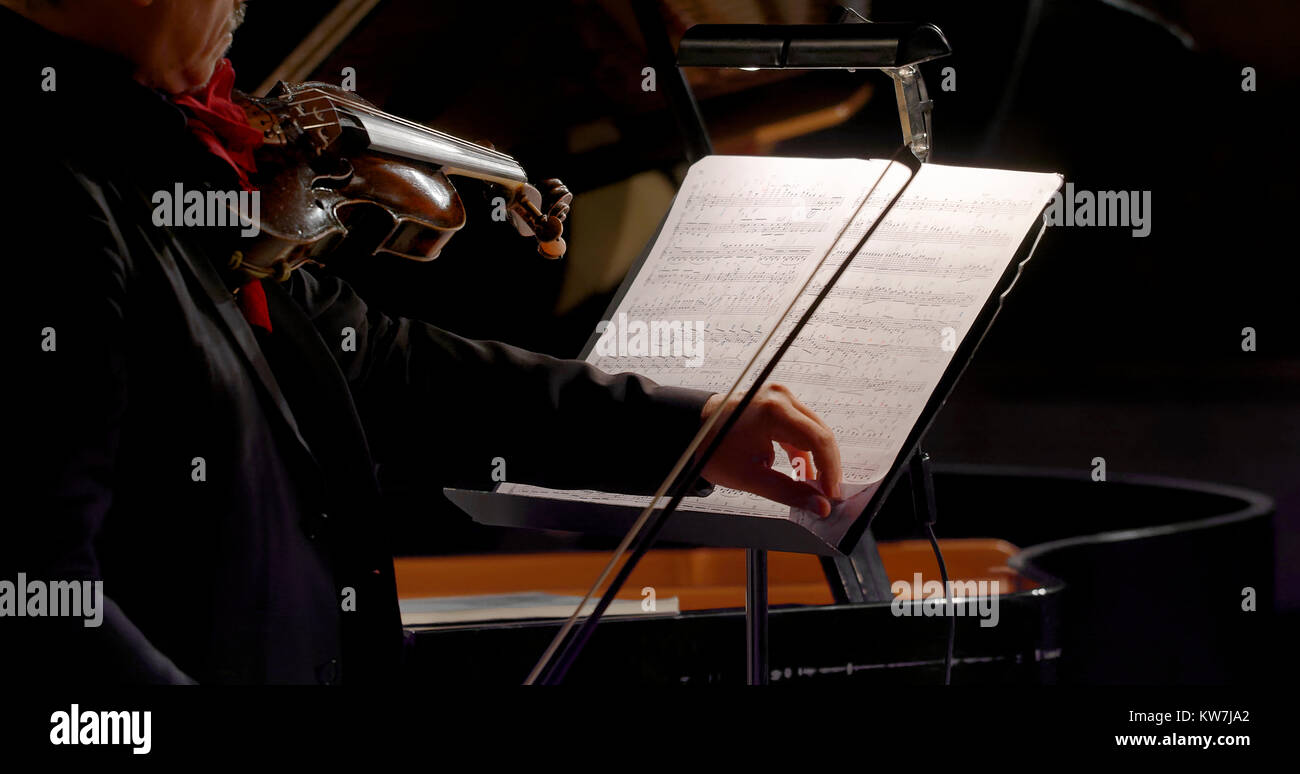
701,578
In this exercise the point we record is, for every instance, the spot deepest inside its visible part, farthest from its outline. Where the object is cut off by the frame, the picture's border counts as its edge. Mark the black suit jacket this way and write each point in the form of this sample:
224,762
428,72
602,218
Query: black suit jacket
221,481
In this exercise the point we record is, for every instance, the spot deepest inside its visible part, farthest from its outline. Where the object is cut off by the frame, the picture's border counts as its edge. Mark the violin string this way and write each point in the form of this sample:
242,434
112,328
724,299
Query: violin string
635,533
334,101
365,108
464,145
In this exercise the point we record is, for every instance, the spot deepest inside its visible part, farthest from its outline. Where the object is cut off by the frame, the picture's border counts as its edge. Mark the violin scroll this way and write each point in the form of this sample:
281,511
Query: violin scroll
542,215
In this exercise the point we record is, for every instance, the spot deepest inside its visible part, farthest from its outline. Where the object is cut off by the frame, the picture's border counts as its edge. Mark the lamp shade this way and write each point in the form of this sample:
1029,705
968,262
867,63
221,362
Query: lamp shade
811,46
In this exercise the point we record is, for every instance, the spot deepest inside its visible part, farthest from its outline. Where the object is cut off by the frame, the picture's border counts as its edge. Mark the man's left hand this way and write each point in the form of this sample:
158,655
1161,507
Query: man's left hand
744,460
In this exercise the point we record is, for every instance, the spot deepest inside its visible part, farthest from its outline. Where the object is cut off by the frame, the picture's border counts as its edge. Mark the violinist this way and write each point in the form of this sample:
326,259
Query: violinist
198,440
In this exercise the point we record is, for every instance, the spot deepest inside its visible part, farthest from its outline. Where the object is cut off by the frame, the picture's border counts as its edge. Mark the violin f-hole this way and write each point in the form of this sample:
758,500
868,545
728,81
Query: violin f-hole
336,179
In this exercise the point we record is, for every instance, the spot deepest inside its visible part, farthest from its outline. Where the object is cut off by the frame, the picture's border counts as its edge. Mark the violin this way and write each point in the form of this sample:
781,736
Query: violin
330,159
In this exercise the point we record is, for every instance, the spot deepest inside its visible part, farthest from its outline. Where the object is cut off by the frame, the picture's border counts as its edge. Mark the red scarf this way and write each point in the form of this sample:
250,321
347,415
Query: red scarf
220,124
222,128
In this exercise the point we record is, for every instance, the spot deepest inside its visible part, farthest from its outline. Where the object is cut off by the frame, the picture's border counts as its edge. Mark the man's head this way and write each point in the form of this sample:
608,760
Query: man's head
174,45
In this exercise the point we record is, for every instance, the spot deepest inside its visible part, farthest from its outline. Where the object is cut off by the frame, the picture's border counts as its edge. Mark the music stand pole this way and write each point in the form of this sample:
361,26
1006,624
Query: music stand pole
756,616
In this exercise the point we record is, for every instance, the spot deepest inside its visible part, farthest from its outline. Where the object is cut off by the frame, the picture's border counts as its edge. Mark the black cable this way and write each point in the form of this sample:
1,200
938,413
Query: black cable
948,604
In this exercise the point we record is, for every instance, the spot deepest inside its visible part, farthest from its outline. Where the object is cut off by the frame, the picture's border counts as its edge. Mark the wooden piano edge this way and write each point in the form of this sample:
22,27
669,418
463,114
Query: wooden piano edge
704,578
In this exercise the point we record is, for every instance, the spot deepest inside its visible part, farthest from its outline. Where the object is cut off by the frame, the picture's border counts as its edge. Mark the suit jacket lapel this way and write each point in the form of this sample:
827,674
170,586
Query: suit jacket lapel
228,311
327,396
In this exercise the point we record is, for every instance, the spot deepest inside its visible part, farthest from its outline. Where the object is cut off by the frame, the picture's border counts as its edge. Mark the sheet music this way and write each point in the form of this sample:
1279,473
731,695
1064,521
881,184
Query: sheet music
743,235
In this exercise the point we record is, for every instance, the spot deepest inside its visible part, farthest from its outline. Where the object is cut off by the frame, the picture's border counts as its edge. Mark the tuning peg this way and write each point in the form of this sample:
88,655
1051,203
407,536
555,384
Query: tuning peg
552,249
556,199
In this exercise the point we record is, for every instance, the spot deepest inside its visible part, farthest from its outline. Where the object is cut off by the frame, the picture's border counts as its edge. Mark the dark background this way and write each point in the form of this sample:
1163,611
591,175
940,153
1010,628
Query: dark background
1112,346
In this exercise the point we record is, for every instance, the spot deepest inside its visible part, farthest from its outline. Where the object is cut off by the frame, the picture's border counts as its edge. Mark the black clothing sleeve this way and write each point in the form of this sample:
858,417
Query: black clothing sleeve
73,305
430,397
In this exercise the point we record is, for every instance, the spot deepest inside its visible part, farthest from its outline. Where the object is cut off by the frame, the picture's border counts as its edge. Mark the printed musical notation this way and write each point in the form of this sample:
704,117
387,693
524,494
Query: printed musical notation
744,236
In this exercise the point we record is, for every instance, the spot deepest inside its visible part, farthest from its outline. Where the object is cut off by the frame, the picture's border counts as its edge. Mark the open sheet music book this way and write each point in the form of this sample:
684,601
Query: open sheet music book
875,361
